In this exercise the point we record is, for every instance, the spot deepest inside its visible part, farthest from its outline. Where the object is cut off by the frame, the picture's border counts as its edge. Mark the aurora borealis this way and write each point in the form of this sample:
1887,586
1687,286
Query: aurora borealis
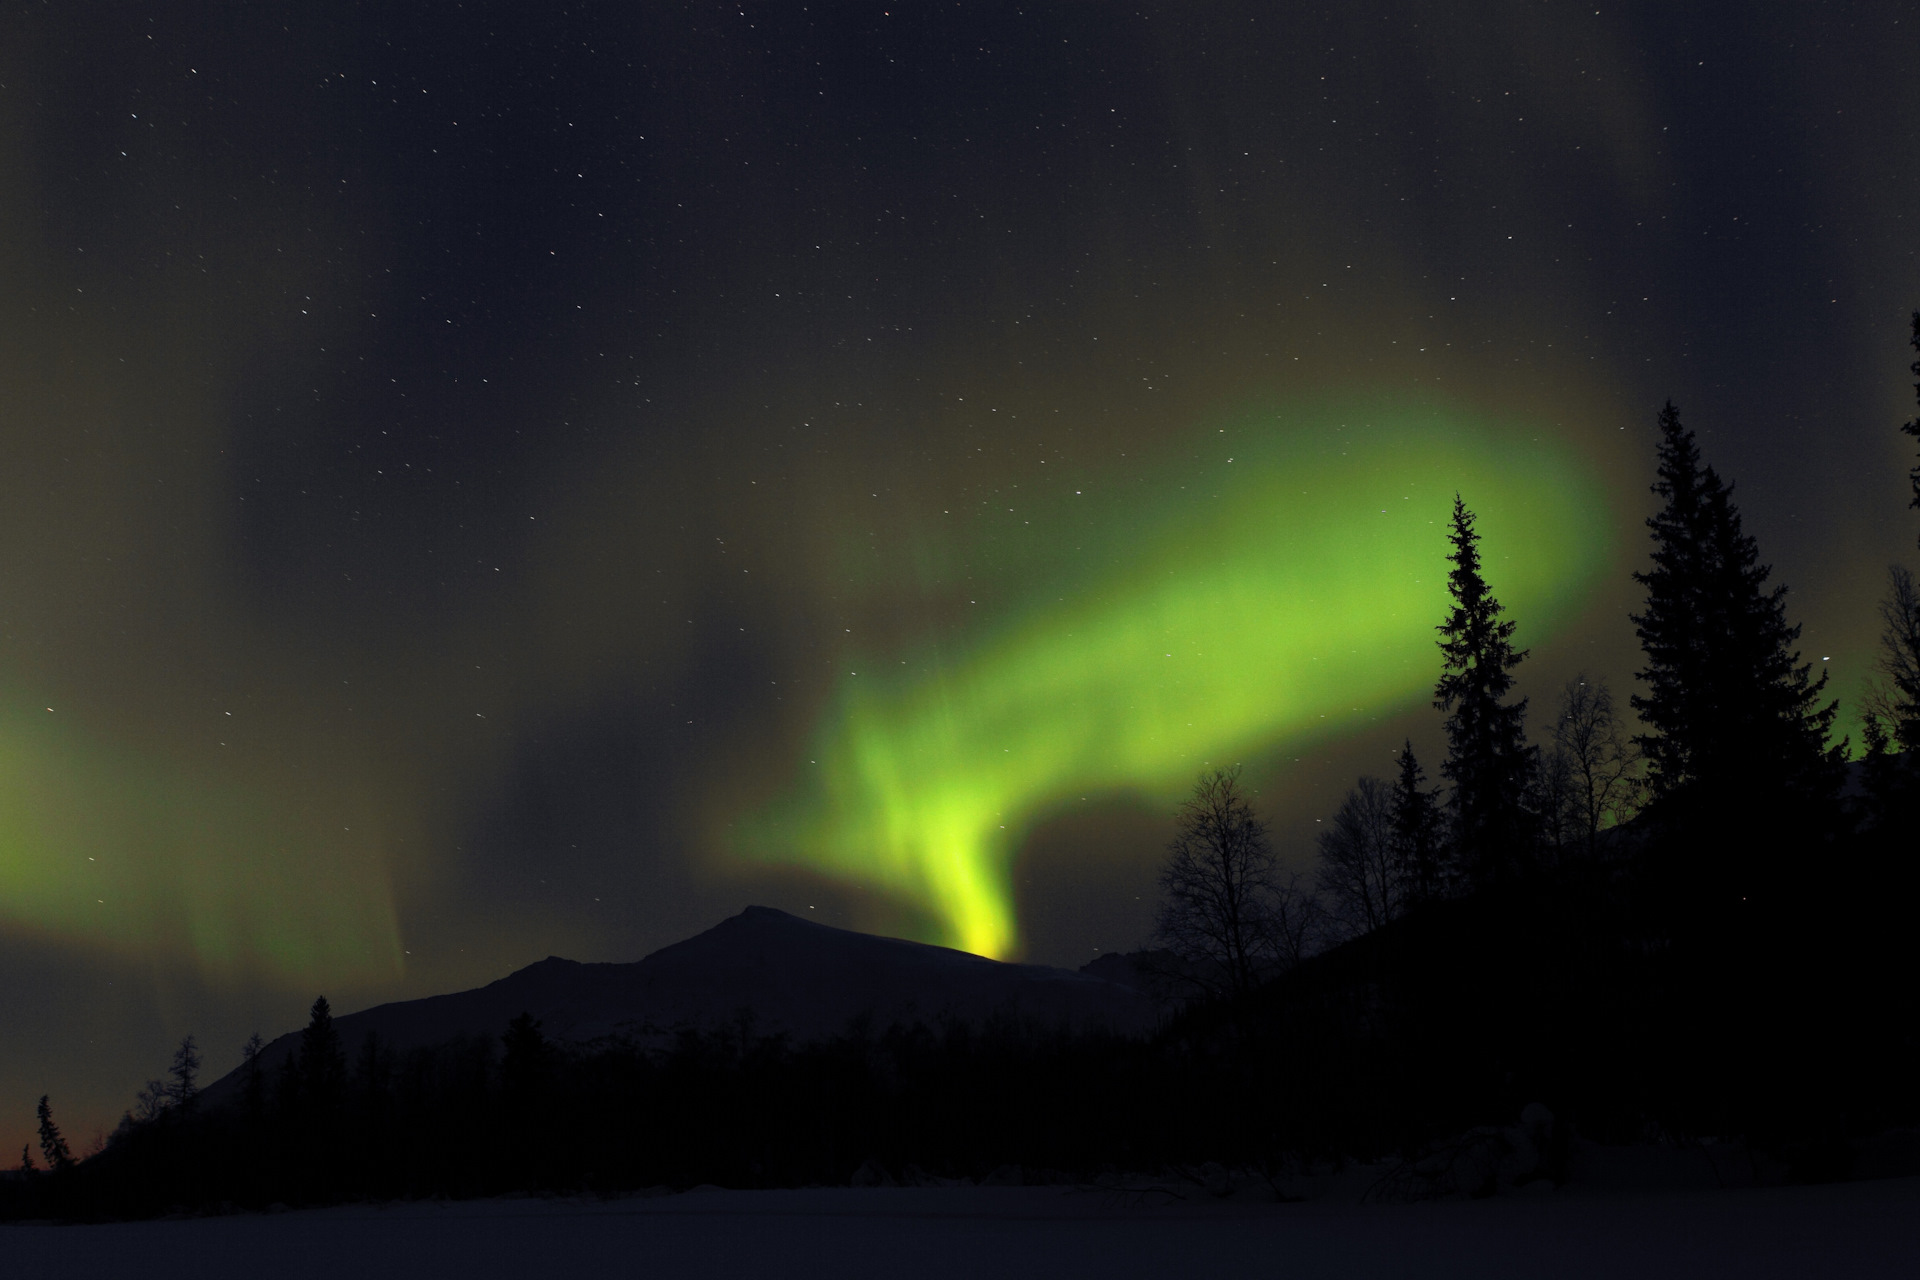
453,467
1284,588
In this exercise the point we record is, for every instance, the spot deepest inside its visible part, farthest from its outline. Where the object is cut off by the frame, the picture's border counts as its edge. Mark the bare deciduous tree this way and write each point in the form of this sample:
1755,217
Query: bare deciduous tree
1603,764
151,1102
1296,921
1558,802
1360,866
1226,910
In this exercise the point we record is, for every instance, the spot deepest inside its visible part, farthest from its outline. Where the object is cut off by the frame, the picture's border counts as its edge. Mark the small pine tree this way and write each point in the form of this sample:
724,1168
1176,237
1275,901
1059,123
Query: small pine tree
1732,713
184,1087
1873,737
323,1064
26,1158
1488,760
1418,832
53,1147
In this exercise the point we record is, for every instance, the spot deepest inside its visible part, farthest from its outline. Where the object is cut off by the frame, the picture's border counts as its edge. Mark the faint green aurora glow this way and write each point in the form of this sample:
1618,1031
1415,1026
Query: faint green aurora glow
1259,601
118,851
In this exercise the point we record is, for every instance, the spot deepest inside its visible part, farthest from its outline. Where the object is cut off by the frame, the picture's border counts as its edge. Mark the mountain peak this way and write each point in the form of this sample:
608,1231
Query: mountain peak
787,975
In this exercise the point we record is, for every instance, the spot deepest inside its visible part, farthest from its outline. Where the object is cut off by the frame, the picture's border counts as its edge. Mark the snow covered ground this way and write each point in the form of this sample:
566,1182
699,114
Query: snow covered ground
1863,1229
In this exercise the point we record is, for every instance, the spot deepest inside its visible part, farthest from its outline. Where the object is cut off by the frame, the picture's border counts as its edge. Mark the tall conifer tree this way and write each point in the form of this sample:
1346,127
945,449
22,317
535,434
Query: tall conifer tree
1733,714
1488,760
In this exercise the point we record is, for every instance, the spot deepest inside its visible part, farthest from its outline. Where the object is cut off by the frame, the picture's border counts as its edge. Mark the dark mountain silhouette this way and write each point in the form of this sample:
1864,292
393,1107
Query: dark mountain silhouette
764,970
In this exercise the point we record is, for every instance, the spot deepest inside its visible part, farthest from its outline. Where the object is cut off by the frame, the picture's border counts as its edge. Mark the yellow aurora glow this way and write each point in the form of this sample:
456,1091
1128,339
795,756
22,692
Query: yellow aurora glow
1301,594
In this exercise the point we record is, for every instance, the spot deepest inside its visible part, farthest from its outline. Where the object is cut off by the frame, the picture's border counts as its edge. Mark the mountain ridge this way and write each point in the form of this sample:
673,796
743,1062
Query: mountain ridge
763,971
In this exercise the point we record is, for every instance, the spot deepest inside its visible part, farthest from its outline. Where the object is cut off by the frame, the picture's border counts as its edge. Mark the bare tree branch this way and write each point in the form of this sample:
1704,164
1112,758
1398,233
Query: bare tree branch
1360,870
1603,763
1225,909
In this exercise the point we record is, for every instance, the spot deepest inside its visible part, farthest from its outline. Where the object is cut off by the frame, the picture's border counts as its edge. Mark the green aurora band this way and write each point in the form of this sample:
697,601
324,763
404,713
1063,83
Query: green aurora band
1273,598
127,853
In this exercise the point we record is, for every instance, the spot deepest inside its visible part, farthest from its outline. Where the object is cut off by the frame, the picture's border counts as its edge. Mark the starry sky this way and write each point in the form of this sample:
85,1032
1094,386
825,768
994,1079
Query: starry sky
487,481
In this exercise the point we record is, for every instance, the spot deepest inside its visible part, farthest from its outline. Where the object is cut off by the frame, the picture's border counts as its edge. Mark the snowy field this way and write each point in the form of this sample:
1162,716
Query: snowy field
1867,1229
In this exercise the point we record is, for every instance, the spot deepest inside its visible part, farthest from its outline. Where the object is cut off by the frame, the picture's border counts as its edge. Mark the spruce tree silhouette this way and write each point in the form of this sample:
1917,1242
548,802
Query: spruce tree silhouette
185,1070
1734,717
1879,770
323,1066
320,1132
1418,832
1488,760
53,1147
1744,800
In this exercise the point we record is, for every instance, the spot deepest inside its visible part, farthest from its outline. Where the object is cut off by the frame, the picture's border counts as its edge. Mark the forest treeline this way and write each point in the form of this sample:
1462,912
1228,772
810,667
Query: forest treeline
1692,921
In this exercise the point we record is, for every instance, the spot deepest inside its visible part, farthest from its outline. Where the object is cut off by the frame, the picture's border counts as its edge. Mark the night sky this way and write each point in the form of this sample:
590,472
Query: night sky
486,481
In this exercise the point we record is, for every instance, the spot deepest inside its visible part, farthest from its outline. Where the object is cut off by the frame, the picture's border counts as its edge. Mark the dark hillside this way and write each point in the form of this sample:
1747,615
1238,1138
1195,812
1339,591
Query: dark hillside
764,972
